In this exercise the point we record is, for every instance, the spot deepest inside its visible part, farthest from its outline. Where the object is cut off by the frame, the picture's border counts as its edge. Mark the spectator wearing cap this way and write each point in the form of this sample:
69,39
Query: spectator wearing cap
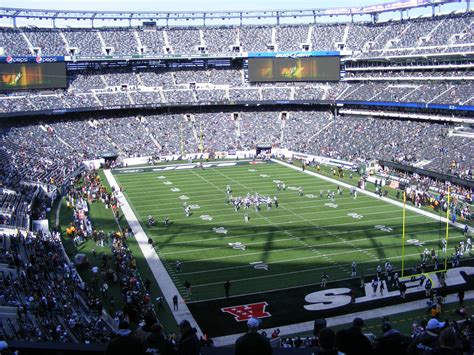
392,342
145,330
252,342
125,342
428,340
156,343
189,342
352,341
326,342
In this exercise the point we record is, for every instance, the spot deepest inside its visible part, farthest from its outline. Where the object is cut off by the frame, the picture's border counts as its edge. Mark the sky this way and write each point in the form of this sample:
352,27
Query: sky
184,5
196,5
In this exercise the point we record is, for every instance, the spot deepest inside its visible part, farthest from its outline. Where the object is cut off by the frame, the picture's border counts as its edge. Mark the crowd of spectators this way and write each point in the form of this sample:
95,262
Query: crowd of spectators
429,336
48,153
51,301
427,35
88,89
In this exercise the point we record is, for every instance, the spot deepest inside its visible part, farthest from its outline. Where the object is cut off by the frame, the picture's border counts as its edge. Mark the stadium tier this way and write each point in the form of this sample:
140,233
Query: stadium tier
254,161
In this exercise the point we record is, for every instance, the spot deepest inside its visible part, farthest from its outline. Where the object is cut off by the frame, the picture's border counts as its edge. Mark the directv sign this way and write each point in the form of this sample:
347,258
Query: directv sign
293,54
38,59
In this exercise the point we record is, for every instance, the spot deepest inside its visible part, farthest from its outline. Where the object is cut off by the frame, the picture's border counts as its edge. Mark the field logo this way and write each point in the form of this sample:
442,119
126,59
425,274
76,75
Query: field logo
355,215
259,265
237,245
244,312
330,204
220,230
175,189
383,228
205,217
324,299
339,297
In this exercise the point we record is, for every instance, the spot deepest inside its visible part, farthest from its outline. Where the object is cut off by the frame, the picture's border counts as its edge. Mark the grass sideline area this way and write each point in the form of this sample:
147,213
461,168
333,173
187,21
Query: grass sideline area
327,171
103,219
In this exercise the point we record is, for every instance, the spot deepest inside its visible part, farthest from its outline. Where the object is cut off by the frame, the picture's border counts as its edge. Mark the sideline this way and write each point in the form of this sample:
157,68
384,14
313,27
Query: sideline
371,194
159,271
454,278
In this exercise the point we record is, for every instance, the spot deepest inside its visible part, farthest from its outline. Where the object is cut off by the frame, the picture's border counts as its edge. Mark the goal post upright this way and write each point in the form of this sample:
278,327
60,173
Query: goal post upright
447,230
403,232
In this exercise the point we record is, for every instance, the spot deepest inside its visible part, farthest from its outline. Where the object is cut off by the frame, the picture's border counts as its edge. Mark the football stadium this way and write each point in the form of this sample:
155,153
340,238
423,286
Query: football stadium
238,182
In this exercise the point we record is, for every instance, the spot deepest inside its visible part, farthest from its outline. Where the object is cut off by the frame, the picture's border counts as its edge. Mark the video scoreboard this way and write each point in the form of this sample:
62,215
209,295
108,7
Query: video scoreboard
28,76
290,67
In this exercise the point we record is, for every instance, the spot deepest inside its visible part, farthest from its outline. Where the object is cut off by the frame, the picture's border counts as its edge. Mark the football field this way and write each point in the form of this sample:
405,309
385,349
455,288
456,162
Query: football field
279,248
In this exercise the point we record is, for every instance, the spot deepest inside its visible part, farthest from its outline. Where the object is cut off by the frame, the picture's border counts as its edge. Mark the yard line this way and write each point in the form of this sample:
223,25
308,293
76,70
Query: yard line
258,216
299,240
292,201
312,269
296,229
277,250
266,225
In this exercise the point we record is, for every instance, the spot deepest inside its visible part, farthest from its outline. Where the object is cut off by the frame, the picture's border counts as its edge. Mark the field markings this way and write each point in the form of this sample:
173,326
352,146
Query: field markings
266,232
314,250
350,244
299,240
292,238
372,194
259,215
378,220
346,201
282,249
312,269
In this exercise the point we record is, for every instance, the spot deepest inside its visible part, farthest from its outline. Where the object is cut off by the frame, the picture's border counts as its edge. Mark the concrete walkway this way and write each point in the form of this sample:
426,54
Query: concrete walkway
159,271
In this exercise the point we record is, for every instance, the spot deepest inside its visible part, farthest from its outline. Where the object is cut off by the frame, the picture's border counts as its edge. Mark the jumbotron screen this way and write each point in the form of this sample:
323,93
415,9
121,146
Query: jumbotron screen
24,76
294,69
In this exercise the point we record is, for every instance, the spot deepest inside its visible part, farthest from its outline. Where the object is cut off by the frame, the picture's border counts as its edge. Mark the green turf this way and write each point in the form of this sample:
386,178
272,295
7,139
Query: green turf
327,171
298,241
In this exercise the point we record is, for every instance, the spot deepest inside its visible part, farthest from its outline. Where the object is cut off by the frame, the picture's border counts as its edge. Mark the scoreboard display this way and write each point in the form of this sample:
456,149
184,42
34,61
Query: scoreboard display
26,76
274,69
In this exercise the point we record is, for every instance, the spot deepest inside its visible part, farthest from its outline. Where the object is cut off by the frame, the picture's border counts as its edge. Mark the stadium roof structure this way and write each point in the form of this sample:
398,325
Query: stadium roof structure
373,10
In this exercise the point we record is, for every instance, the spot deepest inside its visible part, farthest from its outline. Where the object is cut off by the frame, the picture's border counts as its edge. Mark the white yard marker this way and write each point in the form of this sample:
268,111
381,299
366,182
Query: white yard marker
383,228
237,245
259,265
220,230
